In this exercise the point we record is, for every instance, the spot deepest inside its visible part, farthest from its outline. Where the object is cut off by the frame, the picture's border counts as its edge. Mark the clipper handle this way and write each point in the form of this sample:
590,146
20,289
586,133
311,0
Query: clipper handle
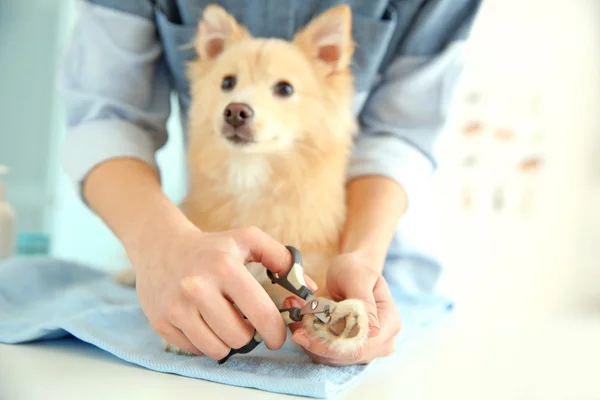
293,280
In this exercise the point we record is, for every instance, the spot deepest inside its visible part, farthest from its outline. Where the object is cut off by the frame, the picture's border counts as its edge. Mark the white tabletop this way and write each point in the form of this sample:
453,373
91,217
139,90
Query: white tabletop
553,361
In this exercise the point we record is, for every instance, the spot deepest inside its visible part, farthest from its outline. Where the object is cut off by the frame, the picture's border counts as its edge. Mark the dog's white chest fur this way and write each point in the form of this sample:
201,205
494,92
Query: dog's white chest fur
247,173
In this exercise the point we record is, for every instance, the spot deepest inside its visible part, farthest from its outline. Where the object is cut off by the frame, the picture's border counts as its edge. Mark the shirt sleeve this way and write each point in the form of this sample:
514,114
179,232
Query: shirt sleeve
115,87
407,111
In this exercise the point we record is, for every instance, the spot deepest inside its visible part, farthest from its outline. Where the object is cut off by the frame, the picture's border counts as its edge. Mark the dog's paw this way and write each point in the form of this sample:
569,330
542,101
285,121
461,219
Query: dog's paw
126,277
347,330
171,348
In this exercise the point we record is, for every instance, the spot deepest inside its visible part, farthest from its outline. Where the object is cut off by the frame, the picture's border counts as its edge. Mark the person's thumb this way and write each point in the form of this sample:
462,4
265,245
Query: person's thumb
357,289
258,246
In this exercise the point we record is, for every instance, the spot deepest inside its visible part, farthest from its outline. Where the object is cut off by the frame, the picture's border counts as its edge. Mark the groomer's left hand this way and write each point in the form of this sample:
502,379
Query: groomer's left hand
350,276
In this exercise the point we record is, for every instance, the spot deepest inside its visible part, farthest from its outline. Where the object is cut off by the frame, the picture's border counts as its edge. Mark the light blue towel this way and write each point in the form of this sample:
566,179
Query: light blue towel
43,299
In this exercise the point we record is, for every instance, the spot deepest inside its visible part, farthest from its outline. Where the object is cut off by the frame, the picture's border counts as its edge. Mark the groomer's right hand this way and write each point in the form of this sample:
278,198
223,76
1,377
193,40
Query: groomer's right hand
187,280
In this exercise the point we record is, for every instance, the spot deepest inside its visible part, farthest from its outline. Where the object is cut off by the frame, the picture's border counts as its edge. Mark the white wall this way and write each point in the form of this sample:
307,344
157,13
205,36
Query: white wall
33,34
509,265
29,37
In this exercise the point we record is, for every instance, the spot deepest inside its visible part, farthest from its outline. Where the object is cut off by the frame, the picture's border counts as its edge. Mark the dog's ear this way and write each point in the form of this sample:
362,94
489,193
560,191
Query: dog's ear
216,30
327,39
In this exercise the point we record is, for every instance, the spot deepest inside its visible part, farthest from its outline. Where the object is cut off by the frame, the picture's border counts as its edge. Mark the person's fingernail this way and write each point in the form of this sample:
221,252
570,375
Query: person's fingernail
302,340
292,302
296,303
374,326
311,284
374,331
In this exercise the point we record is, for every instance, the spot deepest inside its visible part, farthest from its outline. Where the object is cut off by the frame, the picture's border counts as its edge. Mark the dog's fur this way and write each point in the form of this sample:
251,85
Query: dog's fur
289,180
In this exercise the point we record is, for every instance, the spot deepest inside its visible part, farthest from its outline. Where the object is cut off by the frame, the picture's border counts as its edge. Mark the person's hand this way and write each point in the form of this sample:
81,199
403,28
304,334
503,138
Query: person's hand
351,277
187,281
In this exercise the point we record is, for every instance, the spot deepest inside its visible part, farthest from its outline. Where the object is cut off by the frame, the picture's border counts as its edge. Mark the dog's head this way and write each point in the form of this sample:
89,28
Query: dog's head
265,96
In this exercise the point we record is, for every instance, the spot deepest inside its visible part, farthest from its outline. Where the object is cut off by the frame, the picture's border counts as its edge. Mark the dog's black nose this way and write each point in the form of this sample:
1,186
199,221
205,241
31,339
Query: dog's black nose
238,114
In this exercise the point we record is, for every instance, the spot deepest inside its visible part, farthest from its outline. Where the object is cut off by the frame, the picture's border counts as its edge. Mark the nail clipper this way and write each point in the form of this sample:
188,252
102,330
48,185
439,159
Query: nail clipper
293,281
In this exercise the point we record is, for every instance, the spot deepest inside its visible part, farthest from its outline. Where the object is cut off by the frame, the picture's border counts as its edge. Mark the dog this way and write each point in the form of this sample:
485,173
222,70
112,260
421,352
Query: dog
271,129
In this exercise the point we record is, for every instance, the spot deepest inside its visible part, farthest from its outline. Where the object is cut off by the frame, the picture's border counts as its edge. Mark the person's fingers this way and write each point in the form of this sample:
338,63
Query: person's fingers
312,285
327,361
388,348
323,354
220,315
174,336
256,305
389,316
373,315
316,346
362,289
335,363
257,246
380,346
200,335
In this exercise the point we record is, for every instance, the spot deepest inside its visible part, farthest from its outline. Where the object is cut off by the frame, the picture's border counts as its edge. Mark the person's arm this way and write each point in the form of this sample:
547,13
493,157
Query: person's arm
374,205
116,96
116,92
127,195
401,123
115,88
393,155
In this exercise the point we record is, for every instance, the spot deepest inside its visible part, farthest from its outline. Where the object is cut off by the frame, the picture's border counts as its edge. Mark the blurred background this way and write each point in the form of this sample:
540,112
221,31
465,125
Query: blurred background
518,191
50,219
518,163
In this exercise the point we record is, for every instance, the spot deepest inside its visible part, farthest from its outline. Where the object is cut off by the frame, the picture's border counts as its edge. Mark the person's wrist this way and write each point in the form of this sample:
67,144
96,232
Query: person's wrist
365,257
157,232
351,267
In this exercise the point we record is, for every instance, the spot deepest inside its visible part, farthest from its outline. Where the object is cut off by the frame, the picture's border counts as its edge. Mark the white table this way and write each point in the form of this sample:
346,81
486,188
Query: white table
557,361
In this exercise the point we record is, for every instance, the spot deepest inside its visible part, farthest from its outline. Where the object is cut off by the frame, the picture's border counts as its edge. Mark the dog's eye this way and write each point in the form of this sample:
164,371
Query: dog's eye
228,82
283,89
